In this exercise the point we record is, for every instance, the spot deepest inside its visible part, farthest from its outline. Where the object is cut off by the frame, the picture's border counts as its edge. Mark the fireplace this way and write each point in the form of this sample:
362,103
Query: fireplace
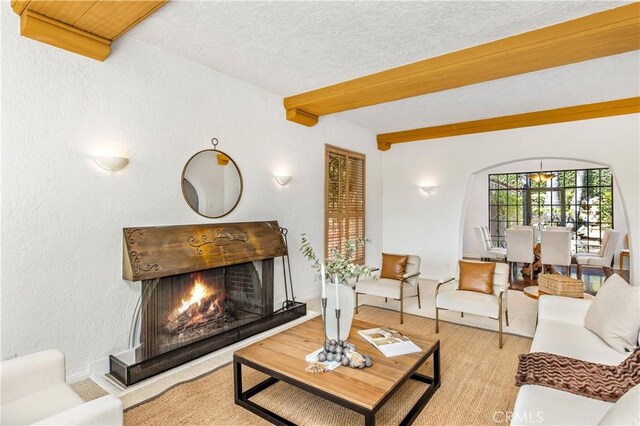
203,287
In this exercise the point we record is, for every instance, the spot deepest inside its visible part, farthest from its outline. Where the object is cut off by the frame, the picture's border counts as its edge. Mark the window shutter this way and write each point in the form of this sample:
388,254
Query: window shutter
345,200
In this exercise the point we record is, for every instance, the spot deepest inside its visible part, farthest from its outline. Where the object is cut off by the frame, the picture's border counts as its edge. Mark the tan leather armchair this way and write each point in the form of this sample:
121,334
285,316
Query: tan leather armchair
394,289
487,305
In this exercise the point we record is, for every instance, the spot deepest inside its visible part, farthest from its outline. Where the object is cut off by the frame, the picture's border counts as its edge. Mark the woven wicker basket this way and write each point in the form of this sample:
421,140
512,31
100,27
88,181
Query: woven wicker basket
560,285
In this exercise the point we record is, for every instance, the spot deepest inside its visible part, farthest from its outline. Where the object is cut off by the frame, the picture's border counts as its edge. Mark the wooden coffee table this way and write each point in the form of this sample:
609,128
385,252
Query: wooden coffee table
365,391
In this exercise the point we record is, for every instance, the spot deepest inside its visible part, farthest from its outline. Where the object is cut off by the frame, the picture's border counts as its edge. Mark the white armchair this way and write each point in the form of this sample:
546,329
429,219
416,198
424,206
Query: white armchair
604,257
488,305
34,392
394,289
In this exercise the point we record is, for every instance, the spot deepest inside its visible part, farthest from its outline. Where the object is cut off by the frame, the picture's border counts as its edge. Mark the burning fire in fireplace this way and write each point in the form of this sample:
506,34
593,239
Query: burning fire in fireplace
203,307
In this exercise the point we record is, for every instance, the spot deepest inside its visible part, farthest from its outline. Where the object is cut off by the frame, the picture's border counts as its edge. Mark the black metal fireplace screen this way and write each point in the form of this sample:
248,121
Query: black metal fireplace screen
185,316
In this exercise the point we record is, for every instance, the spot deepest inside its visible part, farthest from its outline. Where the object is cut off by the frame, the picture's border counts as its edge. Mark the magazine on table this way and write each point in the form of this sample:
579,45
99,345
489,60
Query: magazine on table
389,342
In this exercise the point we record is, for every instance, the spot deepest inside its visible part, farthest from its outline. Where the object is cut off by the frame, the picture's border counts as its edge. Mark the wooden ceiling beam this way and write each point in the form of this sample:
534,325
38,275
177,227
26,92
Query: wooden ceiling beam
602,34
86,27
537,118
55,33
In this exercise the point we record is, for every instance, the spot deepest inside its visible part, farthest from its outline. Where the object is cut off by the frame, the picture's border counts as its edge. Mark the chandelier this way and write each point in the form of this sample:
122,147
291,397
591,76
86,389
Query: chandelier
541,177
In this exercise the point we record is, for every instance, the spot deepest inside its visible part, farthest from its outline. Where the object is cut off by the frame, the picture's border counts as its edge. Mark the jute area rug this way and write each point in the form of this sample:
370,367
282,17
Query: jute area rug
477,386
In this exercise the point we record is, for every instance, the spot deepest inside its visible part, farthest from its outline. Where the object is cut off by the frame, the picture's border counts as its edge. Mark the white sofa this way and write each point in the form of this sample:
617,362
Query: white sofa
34,392
561,331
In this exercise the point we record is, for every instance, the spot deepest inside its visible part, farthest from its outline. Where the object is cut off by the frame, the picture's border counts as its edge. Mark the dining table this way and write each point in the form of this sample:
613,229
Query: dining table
533,270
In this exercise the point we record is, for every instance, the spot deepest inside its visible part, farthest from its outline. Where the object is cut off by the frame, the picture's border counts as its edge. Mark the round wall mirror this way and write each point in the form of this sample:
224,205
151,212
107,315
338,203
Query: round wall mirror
211,183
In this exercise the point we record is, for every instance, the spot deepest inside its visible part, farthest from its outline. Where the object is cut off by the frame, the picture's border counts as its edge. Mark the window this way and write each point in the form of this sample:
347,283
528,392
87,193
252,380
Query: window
581,200
344,199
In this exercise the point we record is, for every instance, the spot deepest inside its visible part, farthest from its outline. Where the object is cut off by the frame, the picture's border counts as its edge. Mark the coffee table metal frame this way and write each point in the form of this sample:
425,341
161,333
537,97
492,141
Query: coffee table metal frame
242,398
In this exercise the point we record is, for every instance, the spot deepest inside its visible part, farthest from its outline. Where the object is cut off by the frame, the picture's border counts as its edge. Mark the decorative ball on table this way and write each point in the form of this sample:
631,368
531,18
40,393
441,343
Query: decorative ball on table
344,353
368,361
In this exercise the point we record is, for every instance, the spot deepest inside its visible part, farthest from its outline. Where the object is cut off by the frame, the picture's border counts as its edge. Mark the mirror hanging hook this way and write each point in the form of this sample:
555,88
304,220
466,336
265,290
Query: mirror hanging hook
214,142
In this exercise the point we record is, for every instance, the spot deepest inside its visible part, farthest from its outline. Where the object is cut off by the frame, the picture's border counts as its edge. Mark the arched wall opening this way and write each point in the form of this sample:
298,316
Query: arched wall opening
476,203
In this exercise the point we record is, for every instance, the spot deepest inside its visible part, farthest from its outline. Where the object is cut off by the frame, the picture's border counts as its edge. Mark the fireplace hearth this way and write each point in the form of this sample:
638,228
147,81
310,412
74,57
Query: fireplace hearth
203,287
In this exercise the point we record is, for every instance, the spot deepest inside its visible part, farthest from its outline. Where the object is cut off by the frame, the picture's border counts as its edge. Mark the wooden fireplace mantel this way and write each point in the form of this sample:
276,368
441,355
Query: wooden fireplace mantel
161,251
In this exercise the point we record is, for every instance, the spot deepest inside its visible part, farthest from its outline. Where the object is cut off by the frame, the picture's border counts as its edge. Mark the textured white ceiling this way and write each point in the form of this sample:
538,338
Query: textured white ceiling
292,47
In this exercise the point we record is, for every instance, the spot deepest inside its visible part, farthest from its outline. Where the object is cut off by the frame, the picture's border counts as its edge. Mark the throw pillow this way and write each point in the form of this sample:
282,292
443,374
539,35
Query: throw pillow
476,276
626,411
393,266
614,314
598,381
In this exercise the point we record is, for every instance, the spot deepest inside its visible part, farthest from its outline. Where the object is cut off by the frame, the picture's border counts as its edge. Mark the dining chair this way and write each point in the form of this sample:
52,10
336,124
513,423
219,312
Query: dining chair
625,252
488,250
555,249
519,248
604,258
489,239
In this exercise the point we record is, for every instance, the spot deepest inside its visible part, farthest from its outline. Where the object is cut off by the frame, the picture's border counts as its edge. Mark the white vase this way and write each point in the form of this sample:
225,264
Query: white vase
347,303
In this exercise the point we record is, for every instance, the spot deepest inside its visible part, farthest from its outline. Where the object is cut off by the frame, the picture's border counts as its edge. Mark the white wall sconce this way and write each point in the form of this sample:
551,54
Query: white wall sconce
282,180
111,163
428,190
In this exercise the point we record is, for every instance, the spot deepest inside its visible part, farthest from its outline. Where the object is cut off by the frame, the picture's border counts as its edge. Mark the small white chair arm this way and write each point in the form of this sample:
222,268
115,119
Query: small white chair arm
34,392
443,282
409,276
105,411
31,373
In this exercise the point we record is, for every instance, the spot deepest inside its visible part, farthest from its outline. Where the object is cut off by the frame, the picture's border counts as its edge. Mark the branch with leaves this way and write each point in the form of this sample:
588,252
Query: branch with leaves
339,263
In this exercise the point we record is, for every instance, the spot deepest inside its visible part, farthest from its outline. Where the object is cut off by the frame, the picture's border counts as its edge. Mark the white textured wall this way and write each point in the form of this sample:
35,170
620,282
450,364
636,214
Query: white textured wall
62,216
432,226
477,200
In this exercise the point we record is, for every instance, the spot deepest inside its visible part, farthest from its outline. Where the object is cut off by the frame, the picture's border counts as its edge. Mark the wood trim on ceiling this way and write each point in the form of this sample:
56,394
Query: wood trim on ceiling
537,118
55,33
80,26
602,34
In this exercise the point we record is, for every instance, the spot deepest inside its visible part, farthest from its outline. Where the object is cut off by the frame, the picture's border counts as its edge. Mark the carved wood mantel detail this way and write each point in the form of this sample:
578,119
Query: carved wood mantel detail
154,252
